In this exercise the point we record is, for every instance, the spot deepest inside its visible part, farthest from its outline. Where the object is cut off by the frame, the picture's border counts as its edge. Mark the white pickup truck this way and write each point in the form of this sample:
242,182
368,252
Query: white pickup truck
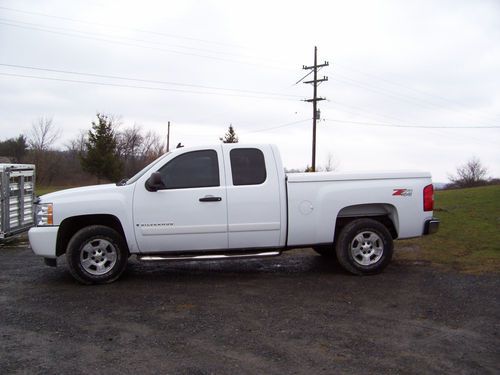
231,201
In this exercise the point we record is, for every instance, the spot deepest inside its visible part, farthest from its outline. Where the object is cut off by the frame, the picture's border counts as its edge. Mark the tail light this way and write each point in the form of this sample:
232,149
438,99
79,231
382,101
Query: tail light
429,198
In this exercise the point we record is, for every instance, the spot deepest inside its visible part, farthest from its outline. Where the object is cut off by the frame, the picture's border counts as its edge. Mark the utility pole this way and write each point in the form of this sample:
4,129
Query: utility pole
315,82
168,137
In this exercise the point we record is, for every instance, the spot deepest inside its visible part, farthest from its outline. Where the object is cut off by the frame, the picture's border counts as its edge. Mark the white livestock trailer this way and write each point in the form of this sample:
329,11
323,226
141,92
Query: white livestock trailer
17,195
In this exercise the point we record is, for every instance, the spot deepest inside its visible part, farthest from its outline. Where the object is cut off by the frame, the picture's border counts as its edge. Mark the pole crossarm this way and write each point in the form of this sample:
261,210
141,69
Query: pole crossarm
326,63
318,80
313,100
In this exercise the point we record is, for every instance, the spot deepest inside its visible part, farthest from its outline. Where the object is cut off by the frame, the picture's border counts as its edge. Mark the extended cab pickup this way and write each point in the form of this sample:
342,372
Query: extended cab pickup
231,201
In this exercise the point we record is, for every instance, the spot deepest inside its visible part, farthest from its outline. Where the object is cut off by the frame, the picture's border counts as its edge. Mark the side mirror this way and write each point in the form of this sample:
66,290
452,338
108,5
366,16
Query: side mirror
154,182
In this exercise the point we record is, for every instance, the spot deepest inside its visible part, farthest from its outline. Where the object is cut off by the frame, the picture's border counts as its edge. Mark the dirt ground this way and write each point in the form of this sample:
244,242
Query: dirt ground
294,314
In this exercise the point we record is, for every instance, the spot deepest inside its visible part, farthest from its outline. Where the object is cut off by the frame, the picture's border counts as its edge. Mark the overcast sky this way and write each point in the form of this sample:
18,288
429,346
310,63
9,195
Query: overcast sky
397,69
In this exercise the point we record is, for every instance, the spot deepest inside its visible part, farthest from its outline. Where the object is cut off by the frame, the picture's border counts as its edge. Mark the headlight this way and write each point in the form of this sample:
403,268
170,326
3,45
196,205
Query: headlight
44,214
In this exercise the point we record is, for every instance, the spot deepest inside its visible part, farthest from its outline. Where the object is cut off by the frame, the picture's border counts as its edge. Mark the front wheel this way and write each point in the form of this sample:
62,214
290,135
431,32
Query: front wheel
364,247
97,255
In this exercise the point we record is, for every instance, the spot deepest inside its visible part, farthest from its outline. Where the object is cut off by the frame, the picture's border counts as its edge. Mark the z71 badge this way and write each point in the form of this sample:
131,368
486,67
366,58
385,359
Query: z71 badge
402,192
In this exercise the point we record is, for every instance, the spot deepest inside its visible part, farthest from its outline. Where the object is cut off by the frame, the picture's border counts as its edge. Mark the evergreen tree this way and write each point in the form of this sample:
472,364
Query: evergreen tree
102,159
230,136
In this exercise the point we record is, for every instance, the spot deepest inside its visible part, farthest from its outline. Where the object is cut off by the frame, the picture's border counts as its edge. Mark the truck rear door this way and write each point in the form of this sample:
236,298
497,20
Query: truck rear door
253,197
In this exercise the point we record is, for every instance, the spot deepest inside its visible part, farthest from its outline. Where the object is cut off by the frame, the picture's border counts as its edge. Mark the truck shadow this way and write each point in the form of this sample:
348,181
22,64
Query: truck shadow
295,264
283,266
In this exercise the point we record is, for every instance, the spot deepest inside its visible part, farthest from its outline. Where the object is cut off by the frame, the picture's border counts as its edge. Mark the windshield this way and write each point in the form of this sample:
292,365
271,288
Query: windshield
145,169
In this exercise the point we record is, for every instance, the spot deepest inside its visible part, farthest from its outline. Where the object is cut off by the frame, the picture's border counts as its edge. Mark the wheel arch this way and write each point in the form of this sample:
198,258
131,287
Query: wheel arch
384,213
71,225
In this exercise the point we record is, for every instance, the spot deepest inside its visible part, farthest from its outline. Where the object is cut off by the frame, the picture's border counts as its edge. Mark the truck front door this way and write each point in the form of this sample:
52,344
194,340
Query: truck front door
190,212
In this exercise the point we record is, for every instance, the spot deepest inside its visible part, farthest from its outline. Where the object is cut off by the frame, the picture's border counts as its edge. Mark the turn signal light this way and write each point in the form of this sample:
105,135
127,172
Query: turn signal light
50,215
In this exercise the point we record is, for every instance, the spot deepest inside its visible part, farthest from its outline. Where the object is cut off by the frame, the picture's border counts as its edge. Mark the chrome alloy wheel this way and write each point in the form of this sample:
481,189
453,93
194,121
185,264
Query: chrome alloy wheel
367,248
98,256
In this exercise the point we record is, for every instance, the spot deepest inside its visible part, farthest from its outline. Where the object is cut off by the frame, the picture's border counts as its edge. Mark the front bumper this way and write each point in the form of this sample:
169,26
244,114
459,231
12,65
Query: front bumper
43,241
431,226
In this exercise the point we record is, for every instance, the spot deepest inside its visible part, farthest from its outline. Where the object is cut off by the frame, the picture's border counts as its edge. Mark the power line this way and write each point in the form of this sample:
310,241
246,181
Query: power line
392,93
407,98
150,32
391,82
146,80
404,97
356,110
276,127
36,26
140,87
399,84
411,126
307,75
393,118
117,42
117,27
377,124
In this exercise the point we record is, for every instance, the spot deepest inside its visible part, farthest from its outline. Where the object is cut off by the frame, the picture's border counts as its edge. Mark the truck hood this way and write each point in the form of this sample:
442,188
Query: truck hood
77,192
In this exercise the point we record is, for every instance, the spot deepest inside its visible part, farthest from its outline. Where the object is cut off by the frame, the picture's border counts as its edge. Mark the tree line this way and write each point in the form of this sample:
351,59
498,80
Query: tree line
108,152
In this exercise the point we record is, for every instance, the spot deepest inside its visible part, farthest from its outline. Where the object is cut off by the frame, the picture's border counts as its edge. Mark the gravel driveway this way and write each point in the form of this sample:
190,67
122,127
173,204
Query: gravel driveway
294,314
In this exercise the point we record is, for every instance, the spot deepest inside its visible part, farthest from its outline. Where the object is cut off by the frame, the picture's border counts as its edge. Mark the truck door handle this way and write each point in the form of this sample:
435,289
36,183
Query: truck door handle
210,198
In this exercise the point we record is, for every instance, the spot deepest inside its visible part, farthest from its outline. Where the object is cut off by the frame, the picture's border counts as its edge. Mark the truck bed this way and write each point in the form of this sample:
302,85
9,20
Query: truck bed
316,200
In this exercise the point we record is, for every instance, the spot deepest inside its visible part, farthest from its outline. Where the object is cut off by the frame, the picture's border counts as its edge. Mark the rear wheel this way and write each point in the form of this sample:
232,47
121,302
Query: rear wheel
97,255
364,247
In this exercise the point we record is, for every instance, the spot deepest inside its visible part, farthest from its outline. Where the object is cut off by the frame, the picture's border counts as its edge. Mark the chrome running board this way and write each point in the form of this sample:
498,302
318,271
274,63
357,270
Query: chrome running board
158,257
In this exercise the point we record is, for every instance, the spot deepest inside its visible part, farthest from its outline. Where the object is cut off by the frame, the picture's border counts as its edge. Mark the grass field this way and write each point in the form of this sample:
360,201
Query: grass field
469,236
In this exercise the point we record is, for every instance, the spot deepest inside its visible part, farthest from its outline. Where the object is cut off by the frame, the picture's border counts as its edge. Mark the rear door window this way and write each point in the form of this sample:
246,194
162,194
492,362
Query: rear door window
248,166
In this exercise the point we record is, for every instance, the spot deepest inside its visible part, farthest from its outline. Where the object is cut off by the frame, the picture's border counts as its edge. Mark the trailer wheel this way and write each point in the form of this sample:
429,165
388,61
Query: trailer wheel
97,255
364,247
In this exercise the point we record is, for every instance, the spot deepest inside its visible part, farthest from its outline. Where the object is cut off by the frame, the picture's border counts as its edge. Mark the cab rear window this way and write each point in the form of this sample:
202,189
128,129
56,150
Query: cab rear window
248,166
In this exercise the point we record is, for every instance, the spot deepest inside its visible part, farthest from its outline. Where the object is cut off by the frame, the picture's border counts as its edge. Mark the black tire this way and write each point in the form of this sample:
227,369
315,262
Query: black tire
97,255
327,251
367,256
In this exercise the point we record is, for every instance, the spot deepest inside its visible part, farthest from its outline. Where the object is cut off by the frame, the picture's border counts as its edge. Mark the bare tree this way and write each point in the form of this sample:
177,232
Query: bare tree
77,145
43,134
472,173
331,164
41,140
129,142
152,146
